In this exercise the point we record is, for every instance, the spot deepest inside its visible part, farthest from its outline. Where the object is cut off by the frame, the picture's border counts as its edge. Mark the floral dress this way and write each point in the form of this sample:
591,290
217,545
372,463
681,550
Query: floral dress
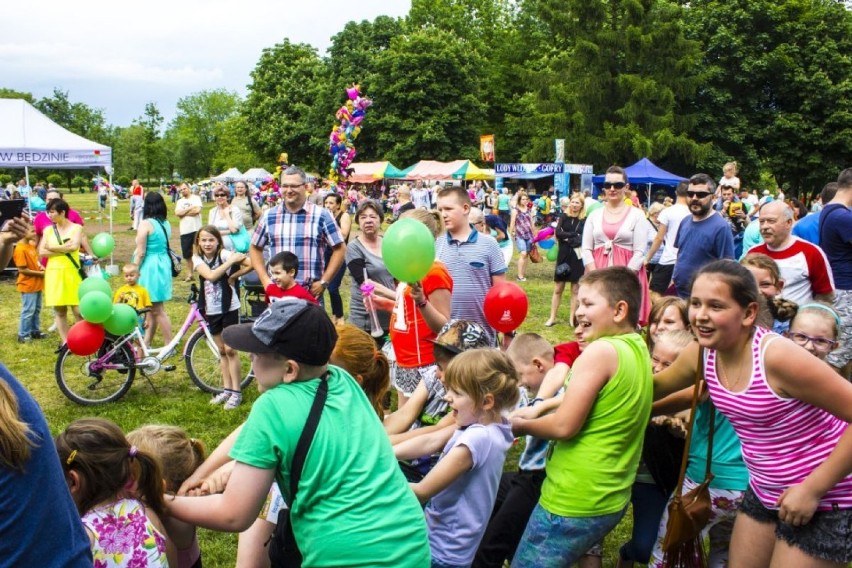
124,537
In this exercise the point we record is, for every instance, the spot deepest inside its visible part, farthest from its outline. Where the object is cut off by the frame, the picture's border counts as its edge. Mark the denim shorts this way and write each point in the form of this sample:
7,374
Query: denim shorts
828,535
553,541
523,245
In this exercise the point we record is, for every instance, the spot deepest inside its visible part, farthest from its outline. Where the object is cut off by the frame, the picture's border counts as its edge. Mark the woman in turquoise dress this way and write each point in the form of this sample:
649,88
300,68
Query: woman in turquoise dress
155,266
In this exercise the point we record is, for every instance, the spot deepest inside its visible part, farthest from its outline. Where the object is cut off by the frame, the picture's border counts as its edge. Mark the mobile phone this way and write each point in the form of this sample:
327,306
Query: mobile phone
11,208
733,208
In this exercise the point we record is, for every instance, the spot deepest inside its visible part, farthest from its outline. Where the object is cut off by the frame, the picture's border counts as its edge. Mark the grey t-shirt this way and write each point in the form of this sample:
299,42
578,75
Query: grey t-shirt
360,260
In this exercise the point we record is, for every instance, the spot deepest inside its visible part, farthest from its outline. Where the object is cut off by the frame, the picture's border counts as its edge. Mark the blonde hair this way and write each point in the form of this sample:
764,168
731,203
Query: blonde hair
678,339
178,454
480,372
357,353
824,312
528,346
15,442
429,218
582,198
732,165
655,208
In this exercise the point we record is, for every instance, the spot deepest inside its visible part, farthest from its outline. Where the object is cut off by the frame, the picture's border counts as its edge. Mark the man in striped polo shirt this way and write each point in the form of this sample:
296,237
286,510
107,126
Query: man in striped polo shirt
473,259
302,228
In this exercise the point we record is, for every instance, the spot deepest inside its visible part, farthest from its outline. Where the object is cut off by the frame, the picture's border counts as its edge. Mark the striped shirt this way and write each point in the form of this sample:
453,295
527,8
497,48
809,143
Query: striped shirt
783,439
471,264
306,233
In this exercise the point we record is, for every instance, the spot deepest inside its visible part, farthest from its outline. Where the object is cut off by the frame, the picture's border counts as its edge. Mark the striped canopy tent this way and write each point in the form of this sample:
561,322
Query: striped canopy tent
433,170
371,172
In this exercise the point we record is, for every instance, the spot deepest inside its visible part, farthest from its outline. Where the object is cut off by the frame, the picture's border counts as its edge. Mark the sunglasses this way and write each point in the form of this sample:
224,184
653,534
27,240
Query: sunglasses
221,195
819,343
615,184
697,194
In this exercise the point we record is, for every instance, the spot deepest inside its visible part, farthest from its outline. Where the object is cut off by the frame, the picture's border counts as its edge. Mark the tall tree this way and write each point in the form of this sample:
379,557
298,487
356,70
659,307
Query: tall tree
425,107
280,110
13,94
778,93
613,80
196,131
152,150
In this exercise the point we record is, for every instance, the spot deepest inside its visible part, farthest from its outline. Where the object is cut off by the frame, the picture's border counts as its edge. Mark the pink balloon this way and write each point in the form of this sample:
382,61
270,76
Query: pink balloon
352,93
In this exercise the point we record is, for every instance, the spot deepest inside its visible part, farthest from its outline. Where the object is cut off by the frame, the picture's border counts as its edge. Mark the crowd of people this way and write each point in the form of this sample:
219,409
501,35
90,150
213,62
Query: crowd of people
710,281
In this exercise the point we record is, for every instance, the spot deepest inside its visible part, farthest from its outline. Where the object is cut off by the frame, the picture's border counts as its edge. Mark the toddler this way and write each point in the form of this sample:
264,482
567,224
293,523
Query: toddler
133,293
30,284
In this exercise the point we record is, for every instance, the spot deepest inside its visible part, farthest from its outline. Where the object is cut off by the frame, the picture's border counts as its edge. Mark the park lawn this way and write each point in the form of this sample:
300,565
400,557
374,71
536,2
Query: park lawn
171,397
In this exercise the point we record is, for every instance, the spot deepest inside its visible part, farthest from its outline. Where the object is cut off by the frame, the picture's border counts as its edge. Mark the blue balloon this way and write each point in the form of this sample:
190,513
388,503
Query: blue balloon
546,244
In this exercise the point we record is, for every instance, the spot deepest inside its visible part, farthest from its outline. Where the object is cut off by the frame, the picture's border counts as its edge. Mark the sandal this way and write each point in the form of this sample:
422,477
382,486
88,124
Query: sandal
549,323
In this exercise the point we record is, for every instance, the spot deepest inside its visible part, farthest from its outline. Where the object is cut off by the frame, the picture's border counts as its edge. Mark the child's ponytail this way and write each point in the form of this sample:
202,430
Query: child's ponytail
15,443
149,481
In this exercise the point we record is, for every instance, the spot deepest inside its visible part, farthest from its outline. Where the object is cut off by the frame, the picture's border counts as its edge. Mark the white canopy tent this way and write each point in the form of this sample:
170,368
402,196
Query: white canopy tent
30,139
257,174
232,174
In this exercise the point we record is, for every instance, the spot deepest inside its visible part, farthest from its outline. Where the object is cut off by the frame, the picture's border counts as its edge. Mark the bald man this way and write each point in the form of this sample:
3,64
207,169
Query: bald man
804,267
403,196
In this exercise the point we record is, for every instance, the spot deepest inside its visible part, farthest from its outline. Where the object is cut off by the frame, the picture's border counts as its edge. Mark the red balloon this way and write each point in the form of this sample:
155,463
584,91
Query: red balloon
85,338
506,306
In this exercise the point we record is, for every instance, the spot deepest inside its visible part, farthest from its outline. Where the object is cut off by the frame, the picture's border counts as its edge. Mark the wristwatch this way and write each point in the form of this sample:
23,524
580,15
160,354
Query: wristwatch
324,284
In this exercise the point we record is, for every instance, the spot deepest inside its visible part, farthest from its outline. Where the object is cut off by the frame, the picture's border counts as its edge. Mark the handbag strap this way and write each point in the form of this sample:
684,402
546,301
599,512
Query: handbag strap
307,437
165,234
696,394
59,241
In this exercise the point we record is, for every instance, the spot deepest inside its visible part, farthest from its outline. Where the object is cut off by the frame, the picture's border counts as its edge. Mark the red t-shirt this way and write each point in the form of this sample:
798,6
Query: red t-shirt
273,292
411,345
566,353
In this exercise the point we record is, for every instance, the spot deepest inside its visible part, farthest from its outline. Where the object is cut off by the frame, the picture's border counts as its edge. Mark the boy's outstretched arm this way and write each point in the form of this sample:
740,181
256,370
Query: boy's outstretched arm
232,511
592,371
426,444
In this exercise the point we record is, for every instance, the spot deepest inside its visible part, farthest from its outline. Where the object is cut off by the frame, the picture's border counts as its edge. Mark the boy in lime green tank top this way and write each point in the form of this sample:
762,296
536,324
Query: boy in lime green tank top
597,430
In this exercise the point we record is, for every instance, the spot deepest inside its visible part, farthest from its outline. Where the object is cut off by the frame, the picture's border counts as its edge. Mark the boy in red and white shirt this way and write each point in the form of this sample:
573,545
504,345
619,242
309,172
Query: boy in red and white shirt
283,268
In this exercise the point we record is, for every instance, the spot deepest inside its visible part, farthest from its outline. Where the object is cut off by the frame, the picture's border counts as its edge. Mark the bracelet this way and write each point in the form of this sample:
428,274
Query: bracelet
422,304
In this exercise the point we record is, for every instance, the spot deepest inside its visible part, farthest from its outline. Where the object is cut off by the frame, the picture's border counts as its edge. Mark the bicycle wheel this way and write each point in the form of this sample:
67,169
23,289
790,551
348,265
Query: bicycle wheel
202,364
92,379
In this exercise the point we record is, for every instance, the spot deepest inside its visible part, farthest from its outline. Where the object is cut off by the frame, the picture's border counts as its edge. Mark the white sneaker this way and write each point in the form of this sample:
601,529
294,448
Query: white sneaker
234,401
220,398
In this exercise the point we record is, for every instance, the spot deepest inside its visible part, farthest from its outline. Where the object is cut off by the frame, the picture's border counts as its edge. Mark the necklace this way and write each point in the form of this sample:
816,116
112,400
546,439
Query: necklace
723,376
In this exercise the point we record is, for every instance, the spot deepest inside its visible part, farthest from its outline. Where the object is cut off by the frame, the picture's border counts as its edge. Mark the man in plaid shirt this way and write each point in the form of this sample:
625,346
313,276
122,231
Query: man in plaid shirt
302,228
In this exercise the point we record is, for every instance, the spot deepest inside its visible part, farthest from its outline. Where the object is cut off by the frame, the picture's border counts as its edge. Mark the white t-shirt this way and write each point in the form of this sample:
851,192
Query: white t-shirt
212,290
671,218
189,223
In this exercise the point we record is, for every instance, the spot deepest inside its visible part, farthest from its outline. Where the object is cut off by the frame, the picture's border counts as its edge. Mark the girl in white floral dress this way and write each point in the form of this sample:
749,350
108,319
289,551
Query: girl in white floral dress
118,490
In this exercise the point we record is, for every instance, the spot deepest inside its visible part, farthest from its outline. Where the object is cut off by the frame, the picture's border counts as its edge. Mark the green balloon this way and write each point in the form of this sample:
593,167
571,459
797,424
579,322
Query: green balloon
408,250
552,253
103,244
122,321
93,285
96,307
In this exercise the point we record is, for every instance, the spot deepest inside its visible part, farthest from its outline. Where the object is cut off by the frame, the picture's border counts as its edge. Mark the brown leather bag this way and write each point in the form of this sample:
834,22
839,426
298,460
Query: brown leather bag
535,254
683,546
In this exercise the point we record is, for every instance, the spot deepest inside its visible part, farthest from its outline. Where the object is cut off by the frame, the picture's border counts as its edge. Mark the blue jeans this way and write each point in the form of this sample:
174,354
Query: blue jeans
649,503
553,541
439,564
30,314
334,288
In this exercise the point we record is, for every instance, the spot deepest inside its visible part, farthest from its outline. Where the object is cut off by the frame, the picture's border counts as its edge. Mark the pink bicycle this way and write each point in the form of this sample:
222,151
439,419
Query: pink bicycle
108,374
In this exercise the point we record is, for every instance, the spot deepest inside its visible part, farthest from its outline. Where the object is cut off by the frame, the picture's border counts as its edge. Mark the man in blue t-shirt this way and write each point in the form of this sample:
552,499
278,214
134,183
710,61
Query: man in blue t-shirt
807,227
702,237
835,237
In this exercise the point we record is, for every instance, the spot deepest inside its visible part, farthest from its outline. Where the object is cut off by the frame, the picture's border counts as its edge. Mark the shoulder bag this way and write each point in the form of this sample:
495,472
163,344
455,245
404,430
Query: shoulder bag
176,267
80,270
535,254
283,549
689,512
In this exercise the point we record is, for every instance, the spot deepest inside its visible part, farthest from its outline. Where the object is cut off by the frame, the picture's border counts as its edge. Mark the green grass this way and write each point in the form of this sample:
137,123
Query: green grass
171,398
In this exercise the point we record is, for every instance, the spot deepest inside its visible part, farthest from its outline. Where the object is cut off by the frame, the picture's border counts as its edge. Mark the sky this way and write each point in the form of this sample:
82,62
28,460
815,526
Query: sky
118,56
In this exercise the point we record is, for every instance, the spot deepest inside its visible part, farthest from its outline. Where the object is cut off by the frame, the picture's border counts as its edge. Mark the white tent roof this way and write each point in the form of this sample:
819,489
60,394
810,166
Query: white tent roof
29,138
232,174
255,174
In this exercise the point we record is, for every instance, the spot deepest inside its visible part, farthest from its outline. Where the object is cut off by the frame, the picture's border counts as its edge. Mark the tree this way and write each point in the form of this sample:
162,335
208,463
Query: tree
13,94
424,104
195,133
778,92
613,81
128,151
280,110
233,151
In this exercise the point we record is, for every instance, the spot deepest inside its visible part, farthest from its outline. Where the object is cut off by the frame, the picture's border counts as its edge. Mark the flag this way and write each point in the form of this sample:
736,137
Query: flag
486,147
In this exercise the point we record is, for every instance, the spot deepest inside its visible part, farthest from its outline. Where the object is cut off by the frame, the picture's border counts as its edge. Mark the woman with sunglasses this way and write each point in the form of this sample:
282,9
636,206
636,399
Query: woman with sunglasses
617,234
225,216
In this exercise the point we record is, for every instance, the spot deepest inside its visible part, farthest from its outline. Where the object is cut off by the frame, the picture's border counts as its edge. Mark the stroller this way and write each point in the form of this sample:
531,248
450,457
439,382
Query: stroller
253,301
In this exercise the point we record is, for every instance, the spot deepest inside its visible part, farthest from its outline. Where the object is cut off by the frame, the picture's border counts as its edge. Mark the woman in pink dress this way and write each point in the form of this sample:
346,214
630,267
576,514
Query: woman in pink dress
617,234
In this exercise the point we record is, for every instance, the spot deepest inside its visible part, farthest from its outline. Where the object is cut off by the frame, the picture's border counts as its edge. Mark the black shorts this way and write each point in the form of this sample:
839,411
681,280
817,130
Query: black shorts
218,322
828,535
661,278
186,243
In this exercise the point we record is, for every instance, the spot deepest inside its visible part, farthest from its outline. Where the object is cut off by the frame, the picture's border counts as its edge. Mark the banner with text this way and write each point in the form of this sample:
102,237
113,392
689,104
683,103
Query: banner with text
55,158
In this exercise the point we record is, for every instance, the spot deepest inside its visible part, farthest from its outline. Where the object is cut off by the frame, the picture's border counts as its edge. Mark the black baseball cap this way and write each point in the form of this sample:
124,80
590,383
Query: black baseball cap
292,327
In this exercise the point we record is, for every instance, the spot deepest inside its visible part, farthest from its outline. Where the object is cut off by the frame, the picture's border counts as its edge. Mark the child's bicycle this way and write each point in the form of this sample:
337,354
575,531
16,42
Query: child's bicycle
108,374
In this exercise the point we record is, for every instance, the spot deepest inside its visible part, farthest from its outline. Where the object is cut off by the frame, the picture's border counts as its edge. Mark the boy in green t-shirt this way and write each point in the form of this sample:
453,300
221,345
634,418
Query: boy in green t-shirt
353,506
597,430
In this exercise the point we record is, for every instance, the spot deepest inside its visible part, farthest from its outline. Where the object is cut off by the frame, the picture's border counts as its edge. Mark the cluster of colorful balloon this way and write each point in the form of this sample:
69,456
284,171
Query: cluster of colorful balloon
341,140
100,316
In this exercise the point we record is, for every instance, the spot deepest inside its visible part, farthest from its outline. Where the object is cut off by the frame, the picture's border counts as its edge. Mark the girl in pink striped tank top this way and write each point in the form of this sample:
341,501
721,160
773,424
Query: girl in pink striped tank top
790,411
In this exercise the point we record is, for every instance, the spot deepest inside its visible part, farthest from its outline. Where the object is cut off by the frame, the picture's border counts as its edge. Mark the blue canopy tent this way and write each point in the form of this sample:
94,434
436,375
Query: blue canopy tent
644,172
